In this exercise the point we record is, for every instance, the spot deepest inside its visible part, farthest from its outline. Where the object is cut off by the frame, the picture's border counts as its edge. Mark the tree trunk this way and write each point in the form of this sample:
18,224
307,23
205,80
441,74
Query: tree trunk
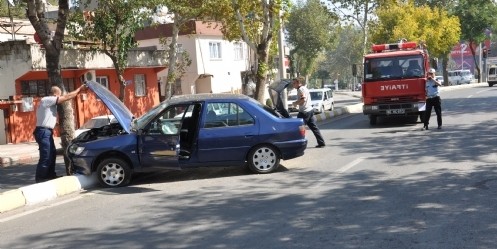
262,67
473,53
53,46
171,70
119,73
445,63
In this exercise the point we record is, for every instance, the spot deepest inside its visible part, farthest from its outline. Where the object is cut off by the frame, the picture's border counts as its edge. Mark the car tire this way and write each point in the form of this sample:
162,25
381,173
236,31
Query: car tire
114,172
263,159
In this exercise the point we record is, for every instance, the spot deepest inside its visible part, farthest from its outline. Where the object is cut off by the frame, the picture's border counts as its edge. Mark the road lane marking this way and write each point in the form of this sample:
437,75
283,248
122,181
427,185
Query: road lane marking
340,171
350,165
16,216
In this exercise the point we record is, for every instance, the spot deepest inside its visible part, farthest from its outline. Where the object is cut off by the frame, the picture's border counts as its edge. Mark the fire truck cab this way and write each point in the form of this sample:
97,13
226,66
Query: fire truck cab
394,81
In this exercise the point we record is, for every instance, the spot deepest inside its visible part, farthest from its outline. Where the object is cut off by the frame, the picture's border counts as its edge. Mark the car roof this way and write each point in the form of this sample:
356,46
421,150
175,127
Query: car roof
319,89
205,96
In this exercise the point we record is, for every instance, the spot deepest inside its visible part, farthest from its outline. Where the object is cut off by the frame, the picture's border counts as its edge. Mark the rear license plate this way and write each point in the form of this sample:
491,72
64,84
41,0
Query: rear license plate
396,111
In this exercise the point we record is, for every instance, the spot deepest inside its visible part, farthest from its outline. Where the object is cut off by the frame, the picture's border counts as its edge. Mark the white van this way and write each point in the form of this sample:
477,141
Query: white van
492,75
458,77
322,99
292,96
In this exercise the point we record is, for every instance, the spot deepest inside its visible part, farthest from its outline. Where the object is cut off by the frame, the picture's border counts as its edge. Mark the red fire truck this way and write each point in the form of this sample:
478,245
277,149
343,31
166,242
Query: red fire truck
394,81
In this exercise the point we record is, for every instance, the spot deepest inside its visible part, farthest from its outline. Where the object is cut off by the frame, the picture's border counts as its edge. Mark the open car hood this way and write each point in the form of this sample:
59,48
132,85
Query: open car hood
116,107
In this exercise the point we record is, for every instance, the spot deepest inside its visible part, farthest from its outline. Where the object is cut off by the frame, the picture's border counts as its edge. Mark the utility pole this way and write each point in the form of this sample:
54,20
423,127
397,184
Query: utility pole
11,20
281,63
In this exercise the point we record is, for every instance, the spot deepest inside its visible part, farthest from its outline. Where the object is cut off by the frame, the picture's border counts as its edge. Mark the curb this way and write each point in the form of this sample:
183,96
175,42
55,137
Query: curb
45,191
357,108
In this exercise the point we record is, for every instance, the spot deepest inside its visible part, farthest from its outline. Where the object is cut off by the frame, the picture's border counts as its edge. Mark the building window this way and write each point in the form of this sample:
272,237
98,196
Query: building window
103,80
215,50
140,85
41,88
238,47
68,84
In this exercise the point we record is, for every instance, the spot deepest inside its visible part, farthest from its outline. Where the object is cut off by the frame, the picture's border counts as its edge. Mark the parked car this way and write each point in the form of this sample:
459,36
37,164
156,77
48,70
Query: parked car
492,75
322,99
292,96
458,77
95,122
246,133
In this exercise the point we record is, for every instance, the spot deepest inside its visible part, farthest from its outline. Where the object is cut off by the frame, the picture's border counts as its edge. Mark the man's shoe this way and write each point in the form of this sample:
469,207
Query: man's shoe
320,145
439,127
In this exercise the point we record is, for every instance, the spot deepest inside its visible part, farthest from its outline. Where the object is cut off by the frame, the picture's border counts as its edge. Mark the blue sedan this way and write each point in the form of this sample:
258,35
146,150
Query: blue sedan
199,130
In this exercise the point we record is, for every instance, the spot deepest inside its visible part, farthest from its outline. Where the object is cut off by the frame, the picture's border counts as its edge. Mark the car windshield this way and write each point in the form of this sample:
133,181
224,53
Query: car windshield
316,95
140,122
95,123
393,67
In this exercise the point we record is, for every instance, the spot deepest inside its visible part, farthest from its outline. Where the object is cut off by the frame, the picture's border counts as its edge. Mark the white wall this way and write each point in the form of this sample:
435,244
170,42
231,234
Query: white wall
15,60
226,71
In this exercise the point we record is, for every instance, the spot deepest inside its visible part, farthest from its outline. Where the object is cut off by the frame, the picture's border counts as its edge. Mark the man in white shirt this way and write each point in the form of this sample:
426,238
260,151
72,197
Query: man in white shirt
46,118
305,109
433,99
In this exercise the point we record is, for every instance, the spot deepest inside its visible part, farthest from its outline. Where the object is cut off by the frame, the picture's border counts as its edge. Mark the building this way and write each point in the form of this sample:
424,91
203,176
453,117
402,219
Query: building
25,81
217,65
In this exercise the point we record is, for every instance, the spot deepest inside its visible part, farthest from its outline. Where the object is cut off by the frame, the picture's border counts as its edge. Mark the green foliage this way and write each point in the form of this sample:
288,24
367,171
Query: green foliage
256,23
434,27
311,30
478,15
339,59
112,28
16,11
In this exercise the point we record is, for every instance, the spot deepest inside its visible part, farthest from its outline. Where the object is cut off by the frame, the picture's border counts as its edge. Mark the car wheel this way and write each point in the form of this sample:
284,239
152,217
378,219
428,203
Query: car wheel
490,84
263,159
114,172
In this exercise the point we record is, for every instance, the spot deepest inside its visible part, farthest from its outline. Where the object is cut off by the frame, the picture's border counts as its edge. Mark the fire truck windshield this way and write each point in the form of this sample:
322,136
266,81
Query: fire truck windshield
393,68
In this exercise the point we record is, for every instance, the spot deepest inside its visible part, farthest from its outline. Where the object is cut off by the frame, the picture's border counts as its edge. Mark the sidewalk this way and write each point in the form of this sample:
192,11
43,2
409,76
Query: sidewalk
17,181
15,154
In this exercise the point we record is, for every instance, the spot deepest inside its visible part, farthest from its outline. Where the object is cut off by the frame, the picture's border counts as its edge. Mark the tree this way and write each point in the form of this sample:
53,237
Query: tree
361,13
310,30
478,16
255,22
15,9
348,51
182,13
112,27
433,27
53,46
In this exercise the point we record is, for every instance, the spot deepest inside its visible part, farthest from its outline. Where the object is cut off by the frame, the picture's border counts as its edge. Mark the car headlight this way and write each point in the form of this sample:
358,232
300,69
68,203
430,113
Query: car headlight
75,149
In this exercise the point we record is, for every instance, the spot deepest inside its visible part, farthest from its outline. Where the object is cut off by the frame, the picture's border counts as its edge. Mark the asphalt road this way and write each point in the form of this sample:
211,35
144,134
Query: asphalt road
388,186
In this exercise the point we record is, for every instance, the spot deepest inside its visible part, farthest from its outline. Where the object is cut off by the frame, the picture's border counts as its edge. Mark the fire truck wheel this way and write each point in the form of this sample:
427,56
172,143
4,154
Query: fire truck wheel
372,119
